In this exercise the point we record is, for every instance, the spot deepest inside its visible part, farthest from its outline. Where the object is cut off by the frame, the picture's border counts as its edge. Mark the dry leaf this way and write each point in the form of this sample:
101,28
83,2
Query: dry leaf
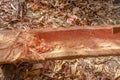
99,68
35,7
74,68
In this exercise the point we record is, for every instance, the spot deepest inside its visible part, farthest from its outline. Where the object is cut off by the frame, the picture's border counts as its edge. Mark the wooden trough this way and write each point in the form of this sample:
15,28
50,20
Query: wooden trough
61,43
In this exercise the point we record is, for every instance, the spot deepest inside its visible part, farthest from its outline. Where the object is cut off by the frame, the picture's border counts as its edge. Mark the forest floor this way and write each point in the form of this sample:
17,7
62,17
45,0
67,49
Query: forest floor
38,14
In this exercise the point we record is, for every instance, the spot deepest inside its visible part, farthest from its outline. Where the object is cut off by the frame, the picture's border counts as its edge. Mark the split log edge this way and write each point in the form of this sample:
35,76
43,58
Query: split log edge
90,37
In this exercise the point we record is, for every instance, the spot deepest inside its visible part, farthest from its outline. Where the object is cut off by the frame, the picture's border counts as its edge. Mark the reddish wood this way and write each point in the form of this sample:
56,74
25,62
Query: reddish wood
116,30
61,43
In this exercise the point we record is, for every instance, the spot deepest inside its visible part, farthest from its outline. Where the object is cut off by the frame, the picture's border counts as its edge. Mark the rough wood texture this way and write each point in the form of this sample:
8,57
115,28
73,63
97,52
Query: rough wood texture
61,43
